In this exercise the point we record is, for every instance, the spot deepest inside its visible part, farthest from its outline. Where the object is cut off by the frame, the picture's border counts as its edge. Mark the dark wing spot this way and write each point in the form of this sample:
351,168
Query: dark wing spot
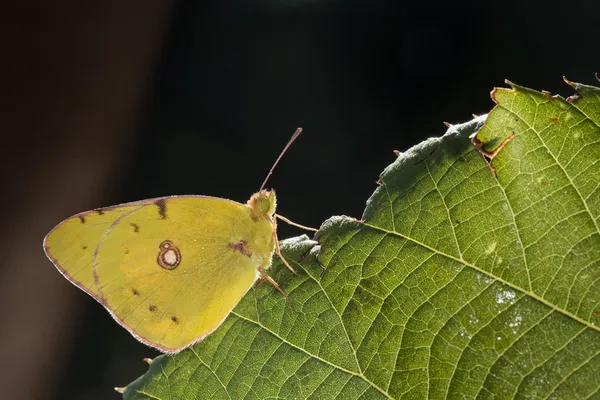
135,292
126,251
83,247
136,227
152,307
100,212
82,219
175,319
162,208
241,247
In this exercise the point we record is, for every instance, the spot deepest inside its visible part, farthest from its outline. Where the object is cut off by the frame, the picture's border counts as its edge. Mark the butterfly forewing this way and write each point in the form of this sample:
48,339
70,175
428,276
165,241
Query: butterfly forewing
170,270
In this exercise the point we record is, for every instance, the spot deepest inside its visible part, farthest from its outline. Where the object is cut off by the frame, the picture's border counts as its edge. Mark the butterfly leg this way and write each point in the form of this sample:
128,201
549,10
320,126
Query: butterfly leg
260,281
265,277
278,252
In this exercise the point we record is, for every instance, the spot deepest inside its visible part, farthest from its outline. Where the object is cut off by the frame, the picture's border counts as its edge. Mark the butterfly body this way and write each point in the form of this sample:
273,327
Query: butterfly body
170,269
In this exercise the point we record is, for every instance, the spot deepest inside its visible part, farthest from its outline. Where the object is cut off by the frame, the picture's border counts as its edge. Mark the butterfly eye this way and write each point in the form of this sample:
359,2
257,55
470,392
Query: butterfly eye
264,205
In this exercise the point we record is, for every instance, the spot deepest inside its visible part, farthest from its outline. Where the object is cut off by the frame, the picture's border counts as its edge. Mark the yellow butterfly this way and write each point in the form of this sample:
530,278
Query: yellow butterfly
170,269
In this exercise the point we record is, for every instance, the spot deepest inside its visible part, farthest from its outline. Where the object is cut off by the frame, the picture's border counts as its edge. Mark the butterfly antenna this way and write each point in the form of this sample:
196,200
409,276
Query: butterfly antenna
294,136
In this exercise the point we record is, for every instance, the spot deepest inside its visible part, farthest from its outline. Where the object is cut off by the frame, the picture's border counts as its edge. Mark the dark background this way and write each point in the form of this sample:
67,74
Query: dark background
125,100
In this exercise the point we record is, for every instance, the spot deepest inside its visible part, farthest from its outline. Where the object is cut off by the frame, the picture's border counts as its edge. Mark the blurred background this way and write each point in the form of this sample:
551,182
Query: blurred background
121,100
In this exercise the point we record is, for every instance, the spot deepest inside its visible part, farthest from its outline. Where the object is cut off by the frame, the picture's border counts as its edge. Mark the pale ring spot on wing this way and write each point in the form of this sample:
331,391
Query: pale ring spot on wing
169,256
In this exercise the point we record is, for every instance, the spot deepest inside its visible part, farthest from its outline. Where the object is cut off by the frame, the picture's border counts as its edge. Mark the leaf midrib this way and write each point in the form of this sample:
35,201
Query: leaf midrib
480,270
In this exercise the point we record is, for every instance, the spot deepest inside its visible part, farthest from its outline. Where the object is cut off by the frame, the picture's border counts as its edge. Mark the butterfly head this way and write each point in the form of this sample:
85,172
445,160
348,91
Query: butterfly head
263,202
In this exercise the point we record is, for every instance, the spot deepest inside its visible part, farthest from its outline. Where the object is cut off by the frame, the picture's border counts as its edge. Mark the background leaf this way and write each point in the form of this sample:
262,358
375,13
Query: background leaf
457,283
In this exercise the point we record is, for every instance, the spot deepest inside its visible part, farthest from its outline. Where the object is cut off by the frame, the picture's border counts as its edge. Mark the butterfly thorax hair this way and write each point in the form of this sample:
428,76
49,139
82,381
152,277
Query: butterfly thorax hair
263,202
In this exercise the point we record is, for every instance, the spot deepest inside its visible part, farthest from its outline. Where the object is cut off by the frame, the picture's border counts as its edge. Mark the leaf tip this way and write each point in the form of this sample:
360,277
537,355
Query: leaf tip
516,87
148,361
597,77
488,156
575,86
120,389
549,95
493,95
447,124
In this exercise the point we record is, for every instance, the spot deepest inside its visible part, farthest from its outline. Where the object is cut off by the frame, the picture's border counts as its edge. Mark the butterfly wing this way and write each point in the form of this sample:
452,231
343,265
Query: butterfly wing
169,270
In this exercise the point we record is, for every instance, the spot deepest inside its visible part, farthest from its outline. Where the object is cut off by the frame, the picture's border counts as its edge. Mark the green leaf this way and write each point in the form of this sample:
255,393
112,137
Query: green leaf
457,283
